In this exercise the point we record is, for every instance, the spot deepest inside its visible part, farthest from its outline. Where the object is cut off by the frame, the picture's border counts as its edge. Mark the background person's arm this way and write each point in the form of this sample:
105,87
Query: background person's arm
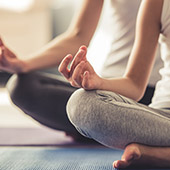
80,32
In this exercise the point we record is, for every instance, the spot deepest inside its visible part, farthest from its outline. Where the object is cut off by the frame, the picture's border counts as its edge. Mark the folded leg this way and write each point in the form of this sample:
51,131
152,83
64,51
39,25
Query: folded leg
117,121
43,97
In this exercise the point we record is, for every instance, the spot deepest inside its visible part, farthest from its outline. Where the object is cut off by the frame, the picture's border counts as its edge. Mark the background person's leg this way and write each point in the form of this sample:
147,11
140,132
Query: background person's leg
42,96
117,121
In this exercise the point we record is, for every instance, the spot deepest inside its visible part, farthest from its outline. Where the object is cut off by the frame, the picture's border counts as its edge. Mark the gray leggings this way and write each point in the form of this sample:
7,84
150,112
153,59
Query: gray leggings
116,121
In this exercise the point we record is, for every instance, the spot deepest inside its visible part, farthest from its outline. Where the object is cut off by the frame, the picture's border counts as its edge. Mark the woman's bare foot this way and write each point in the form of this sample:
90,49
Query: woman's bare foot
137,155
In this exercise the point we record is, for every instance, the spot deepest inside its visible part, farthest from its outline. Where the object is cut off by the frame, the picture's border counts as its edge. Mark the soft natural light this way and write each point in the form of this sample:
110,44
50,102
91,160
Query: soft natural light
96,56
16,5
4,99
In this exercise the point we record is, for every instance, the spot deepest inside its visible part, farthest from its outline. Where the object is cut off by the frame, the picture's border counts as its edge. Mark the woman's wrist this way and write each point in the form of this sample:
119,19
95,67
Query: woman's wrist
101,84
24,67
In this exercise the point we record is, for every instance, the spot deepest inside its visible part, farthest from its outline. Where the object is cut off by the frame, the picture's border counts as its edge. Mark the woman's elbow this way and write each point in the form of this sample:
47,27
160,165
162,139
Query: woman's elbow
138,93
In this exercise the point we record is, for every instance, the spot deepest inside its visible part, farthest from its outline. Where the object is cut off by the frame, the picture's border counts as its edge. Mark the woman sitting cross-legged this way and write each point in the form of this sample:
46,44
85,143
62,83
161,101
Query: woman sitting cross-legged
107,110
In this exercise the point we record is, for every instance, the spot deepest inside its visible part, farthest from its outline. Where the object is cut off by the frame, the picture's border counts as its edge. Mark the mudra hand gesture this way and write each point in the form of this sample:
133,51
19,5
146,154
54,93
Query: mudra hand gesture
81,74
9,61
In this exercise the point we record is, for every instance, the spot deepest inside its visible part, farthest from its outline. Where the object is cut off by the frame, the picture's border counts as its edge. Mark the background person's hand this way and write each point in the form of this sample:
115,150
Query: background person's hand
9,61
81,73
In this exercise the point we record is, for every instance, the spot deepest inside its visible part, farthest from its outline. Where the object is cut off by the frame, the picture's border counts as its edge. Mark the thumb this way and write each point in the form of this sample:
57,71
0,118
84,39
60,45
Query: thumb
3,53
85,81
1,42
2,50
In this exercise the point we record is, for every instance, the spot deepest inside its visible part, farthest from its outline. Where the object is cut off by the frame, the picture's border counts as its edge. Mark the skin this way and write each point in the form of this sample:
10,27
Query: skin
132,84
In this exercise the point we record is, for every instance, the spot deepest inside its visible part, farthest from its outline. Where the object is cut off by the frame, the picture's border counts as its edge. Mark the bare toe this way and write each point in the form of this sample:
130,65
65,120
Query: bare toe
120,164
130,156
137,155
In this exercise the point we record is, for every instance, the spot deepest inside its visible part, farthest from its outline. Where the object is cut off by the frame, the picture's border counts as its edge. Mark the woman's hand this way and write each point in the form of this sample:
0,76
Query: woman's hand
8,60
81,73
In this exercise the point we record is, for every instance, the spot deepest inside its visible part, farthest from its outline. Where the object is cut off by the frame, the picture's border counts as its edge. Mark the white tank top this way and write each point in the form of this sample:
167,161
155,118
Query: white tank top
161,97
114,39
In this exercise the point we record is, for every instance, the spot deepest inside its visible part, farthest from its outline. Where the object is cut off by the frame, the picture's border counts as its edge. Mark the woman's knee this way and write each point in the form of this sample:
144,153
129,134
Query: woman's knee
80,107
97,114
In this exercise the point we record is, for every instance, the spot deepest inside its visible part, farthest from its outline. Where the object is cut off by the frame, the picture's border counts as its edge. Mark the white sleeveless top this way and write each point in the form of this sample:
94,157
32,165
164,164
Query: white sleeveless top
161,97
114,39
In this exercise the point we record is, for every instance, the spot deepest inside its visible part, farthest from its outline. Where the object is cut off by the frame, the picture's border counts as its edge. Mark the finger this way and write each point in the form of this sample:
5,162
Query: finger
77,59
74,84
10,53
63,67
4,59
1,42
0,51
83,47
85,81
1,45
3,53
81,55
78,73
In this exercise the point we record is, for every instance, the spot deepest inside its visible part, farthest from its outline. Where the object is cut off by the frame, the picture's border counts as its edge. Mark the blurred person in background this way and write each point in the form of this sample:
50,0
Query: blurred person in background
44,96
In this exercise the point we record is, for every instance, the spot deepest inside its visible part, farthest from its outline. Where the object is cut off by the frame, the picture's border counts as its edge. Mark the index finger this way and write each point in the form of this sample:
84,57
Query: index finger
80,56
63,67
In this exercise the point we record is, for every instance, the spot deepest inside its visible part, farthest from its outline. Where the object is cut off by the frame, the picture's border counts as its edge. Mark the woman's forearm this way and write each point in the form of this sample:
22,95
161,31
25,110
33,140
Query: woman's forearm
123,86
141,60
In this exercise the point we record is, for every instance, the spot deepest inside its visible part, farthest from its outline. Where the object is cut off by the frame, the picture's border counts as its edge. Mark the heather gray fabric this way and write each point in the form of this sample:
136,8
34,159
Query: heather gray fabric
117,121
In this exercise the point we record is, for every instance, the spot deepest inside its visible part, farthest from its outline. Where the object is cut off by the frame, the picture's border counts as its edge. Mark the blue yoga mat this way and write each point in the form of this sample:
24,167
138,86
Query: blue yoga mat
44,158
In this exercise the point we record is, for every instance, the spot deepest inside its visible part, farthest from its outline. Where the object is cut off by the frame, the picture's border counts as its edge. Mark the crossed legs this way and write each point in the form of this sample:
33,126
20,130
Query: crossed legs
106,117
118,122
